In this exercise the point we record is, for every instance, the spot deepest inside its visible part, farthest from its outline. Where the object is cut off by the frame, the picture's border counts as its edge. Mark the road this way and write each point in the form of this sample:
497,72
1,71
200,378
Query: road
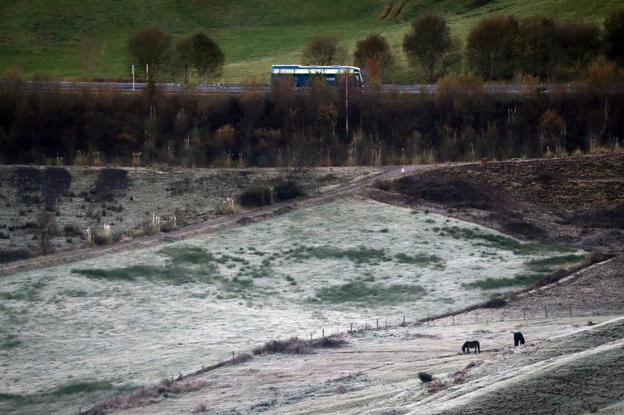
247,216
491,88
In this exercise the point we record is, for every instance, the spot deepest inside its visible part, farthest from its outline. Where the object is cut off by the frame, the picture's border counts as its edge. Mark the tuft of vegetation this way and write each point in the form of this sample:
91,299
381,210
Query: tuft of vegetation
499,241
295,345
547,263
188,255
361,292
359,255
420,259
255,196
496,302
496,283
82,387
287,190
425,377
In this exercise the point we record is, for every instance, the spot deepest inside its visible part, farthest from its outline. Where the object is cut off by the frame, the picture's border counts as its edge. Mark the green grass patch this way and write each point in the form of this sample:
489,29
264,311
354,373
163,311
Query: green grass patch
361,292
10,341
28,293
419,259
82,387
187,255
496,283
496,241
359,255
547,264
168,273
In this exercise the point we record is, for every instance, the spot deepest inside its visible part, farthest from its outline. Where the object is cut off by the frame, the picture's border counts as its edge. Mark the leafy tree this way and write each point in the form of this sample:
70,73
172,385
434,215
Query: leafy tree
576,46
536,46
151,47
430,45
492,47
614,36
323,50
373,52
208,58
184,56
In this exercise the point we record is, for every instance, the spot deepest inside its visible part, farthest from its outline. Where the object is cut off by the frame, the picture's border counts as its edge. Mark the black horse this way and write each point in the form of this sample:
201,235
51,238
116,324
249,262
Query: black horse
518,339
471,345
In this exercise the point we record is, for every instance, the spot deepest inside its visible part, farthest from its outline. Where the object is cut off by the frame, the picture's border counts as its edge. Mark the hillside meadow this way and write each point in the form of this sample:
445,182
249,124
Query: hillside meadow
59,38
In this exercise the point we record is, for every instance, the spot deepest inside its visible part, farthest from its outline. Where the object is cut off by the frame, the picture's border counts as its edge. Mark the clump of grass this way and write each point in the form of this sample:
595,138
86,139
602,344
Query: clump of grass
168,273
187,255
295,345
359,255
82,387
419,259
10,341
547,263
496,283
359,291
498,241
425,377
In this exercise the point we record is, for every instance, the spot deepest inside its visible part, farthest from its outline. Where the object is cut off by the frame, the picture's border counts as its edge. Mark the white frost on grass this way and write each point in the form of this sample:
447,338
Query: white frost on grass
76,328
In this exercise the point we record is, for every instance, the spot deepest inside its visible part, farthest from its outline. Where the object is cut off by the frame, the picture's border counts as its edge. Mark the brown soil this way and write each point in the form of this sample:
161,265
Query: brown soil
577,200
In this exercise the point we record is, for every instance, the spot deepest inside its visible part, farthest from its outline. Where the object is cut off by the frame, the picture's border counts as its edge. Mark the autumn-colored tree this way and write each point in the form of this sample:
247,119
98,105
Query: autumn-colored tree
374,48
323,50
492,47
614,36
151,47
208,59
430,45
576,45
602,72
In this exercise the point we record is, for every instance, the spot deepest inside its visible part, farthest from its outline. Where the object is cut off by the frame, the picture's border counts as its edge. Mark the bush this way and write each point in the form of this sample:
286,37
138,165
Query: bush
425,377
496,302
255,196
287,190
8,255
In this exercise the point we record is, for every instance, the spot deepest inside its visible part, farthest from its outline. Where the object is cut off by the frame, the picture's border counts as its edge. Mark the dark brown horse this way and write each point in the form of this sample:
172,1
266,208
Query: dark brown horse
471,345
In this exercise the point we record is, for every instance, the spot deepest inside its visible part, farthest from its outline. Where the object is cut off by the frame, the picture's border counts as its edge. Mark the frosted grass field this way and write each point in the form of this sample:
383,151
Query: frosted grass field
72,334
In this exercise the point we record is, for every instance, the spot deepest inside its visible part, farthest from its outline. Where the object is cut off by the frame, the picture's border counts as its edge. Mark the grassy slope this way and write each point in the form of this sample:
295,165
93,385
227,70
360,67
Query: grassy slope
40,36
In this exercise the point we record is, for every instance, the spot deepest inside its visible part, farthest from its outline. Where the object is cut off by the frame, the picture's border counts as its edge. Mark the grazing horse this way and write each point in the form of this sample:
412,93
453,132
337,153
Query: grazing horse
518,339
471,345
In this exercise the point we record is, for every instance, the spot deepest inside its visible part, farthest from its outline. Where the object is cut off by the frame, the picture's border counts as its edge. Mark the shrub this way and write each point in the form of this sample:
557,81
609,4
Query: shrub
8,255
425,377
287,190
255,196
496,302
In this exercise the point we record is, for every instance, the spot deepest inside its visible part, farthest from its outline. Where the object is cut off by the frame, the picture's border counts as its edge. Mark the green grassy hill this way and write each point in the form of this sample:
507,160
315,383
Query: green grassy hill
50,37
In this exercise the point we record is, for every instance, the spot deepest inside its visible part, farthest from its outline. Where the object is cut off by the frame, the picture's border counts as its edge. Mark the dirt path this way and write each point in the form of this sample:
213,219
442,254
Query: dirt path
247,216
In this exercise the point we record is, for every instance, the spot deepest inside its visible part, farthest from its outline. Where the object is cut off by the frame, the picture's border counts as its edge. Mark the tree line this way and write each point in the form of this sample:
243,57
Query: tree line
286,128
496,48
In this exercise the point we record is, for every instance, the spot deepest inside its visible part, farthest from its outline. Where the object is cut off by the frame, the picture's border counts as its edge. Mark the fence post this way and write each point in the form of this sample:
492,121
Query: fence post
323,333
523,313
377,324
310,336
428,318
477,317
453,319
403,320
570,310
386,324
546,311
232,357
351,327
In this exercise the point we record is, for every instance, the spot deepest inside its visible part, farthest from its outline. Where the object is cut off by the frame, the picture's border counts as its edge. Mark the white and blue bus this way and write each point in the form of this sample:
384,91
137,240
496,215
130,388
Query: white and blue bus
301,75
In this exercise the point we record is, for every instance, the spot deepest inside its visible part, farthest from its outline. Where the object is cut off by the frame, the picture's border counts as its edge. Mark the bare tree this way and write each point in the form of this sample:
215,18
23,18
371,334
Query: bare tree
323,50
430,45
